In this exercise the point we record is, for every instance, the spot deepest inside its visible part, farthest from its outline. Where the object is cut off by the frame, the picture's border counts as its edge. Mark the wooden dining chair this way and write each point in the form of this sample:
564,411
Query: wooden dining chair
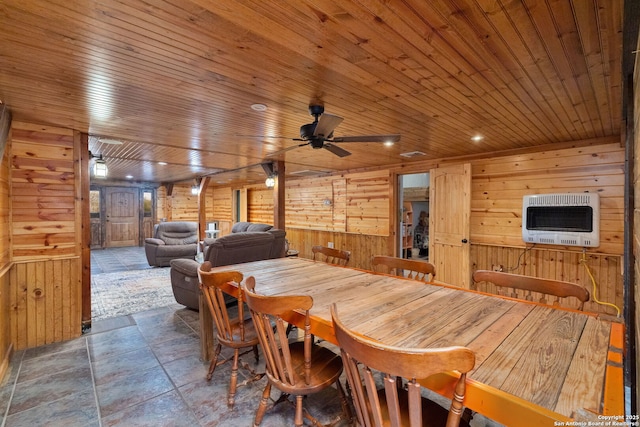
330,255
299,368
414,269
373,370
522,287
236,332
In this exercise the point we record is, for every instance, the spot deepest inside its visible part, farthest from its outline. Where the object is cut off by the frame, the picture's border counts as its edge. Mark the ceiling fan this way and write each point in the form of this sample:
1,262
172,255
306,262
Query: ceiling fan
319,134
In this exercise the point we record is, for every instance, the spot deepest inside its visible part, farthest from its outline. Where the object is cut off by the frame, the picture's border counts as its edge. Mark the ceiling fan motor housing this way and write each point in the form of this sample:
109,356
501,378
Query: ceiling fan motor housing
306,131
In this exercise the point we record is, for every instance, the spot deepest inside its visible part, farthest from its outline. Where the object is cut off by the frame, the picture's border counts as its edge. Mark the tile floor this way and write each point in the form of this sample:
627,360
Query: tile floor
138,370
118,259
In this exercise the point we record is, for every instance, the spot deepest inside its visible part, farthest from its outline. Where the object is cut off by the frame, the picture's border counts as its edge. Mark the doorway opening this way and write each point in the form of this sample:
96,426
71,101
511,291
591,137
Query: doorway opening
413,200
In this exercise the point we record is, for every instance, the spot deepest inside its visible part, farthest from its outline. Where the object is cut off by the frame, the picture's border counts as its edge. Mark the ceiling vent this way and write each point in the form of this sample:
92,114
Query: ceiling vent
413,154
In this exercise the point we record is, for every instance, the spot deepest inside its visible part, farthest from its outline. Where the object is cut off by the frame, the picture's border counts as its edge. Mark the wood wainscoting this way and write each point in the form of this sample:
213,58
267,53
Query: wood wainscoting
361,246
45,299
558,264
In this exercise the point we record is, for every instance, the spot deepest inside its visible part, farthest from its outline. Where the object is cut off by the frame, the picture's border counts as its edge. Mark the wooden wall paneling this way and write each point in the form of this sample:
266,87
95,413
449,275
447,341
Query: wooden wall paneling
6,343
184,205
209,204
223,208
362,246
5,207
556,264
260,204
499,183
368,203
305,206
47,272
43,165
338,204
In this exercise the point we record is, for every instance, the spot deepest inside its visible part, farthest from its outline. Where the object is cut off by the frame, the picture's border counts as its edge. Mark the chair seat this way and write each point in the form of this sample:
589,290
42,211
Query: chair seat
327,368
433,415
250,335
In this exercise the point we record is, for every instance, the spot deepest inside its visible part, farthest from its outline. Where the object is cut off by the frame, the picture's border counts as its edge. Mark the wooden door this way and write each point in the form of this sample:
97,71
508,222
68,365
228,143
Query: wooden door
450,206
122,216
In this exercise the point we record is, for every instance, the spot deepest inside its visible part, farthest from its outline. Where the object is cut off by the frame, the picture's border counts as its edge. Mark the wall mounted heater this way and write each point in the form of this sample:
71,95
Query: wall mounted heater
570,219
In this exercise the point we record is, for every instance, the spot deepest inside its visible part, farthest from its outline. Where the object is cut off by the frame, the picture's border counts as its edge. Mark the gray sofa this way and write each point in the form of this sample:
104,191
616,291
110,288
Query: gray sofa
235,248
171,240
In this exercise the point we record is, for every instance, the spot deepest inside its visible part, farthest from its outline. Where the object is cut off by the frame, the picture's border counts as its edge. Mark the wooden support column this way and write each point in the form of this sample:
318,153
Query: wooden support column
202,207
81,145
278,196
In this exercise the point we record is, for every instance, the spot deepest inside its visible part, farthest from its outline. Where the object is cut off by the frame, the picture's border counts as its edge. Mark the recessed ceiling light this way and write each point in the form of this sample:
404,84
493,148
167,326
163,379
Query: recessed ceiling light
477,138
162,163
388,143
258,107
110,141
129,176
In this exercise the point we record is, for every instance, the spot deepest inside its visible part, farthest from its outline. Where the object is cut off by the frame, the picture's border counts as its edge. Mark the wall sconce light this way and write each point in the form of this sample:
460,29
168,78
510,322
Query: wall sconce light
100,169
270,182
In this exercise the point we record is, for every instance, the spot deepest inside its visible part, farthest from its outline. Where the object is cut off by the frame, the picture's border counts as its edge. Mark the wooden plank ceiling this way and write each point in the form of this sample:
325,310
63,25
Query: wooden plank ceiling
174,80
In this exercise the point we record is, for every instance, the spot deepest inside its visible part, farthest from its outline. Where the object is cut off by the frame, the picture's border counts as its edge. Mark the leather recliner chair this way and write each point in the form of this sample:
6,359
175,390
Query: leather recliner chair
172,240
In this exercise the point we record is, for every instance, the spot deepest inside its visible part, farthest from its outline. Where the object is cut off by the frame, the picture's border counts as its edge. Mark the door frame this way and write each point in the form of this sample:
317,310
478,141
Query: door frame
143,228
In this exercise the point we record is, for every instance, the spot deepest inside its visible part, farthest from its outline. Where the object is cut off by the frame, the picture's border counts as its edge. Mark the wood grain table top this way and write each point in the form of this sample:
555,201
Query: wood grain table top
532,358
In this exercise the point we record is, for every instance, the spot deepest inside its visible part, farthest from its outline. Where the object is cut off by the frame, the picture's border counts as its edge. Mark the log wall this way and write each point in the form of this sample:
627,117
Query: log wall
44,281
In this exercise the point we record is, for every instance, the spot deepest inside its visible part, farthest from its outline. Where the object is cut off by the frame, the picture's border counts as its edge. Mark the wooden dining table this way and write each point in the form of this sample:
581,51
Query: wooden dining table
536,365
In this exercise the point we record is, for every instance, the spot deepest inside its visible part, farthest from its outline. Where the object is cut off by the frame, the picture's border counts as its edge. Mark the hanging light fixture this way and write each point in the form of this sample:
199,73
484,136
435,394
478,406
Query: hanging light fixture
195,188
269,170
270,182
100,169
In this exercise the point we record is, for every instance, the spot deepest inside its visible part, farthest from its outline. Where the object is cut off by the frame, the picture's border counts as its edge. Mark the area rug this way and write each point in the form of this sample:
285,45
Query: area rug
128,292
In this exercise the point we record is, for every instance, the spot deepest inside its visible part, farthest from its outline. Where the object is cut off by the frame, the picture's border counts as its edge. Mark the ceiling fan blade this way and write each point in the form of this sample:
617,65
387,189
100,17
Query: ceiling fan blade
326,124
368,138
284,150
262,136
340,152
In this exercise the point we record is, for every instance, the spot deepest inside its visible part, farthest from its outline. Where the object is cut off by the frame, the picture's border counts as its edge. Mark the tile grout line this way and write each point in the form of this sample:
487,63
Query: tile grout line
93,382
